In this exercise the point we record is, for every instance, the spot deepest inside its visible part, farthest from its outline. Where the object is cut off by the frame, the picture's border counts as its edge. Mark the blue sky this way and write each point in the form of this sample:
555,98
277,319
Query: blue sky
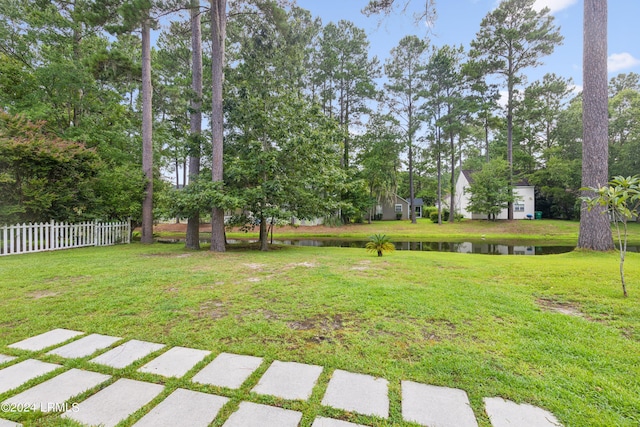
458,21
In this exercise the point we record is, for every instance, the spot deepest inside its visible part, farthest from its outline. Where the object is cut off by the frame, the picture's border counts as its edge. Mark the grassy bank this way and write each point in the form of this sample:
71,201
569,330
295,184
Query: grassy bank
553,232
552,331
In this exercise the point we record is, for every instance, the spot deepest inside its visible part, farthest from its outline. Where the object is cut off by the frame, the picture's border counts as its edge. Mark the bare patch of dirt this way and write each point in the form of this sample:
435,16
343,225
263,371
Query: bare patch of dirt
211,310
254,279
439,330
266,314
164,255
43,294
570,309
73,279
303,264
322,323
255,266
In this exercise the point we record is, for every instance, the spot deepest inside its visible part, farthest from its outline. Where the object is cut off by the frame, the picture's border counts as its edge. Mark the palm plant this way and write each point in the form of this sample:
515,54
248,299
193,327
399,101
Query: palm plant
379,243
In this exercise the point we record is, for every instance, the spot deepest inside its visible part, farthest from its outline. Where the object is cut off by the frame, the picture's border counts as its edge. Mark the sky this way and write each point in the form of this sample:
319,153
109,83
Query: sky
458,21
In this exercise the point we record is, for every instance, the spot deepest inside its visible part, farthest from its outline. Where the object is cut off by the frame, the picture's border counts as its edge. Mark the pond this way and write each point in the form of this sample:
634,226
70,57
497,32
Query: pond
460,247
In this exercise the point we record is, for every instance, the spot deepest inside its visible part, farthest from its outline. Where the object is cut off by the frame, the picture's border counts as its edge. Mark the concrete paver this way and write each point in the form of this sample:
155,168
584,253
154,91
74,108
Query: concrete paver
51,394
4,358
504,413
255,415
360,393
85,346
115,403
127,353
434,406
330,422
18,374
228,370
289,380
184,408
47,339
176,362
424,404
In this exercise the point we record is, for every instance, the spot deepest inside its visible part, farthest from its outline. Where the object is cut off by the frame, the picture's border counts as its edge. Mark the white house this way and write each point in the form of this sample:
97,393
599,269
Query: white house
524,206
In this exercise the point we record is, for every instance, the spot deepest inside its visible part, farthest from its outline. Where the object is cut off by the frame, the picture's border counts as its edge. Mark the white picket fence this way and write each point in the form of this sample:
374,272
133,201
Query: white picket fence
52,236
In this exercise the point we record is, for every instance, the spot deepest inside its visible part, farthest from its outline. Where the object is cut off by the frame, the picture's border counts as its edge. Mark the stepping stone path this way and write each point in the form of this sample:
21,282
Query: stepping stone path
175,362
115,403
16,375
184,408
433,406
504,413
360,393
5,359
289,380
48,339
85,346
256,415
228,370
423,404
50,395
127,353
329,422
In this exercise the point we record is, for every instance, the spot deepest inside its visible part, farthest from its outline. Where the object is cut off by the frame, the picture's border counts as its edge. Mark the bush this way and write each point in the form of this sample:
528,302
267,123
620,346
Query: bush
332,221
433,216
398,215
428,210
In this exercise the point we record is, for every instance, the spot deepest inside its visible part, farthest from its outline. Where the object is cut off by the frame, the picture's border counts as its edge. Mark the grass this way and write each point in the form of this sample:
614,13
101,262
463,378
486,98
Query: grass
552,331
553,232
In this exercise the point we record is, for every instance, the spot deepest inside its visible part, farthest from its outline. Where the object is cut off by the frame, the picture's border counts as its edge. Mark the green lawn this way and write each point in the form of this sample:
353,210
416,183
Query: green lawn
490,325
540,232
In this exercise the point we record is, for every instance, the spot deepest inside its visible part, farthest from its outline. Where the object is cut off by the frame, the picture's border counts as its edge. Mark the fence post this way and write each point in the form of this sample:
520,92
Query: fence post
4,240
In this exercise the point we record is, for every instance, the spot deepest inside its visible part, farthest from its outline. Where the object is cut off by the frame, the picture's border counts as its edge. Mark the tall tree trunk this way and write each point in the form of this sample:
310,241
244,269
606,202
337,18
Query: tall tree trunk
439,167
147,137
452,182
510,89
192,240
412,213
218,36
264,234
595,228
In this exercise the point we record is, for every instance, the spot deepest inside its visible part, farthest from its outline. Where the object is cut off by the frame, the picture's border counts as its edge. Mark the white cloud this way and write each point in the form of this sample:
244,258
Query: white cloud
575,89
621,61
504,98
554,5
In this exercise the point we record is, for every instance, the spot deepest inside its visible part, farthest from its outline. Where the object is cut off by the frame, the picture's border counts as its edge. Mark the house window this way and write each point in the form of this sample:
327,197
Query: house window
398,208
518,207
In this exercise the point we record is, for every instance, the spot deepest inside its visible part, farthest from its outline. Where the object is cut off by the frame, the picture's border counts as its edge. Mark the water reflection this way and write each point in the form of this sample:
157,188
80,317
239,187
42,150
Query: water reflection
460,247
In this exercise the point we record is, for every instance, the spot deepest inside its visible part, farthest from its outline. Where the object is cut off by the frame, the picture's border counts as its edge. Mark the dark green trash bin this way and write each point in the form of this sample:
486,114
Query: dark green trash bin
538,215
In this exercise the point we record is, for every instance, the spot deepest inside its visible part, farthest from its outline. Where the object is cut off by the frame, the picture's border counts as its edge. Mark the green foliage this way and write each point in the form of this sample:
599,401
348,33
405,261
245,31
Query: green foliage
433,215
379,243
332,221
490,192
621,200
43,177
199,197
428,210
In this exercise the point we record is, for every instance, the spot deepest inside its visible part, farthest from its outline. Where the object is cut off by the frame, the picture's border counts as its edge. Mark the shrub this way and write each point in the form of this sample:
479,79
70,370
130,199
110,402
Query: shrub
433,216
427,210
380,243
